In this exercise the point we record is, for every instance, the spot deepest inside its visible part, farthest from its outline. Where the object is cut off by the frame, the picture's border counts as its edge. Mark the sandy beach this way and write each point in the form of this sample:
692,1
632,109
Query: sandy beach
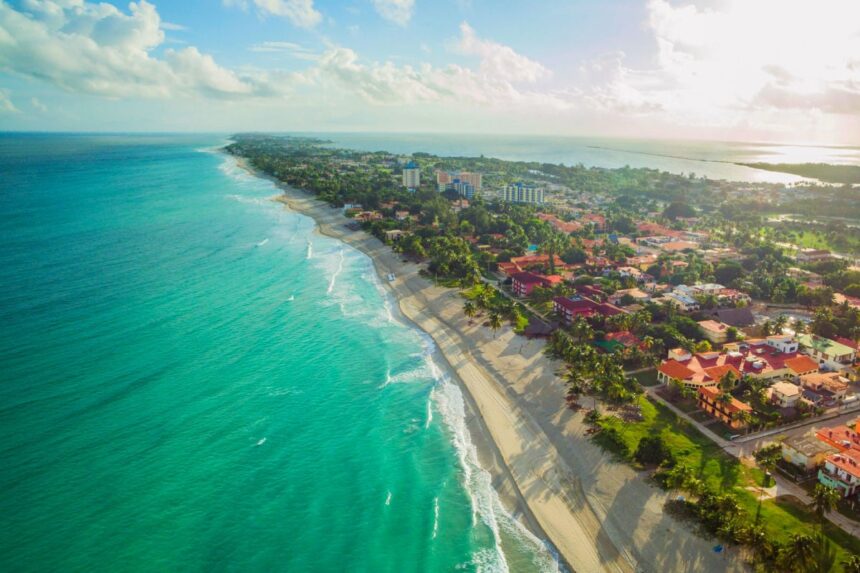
599,514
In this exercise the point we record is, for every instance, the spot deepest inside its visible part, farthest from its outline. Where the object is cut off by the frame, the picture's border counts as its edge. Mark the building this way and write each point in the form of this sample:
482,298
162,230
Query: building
528,262
783,343
444,178
715,332
802,365
523,283
754,358
464,183
806,451
841,471
840,437
411,176
681,301
829,353
784,394
813,255
566,227
572,307
524,193
618,341
737,317
730,411
637,295
830,384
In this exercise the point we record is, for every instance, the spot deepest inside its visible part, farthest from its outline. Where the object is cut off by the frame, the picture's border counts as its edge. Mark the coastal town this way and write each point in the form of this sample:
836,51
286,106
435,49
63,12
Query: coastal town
685,327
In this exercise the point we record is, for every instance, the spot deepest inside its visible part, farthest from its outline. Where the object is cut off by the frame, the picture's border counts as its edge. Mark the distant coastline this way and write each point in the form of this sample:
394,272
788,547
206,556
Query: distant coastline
825,172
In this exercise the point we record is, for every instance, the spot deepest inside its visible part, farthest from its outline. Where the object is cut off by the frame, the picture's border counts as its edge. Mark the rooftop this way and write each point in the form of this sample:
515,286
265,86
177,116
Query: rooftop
802,364
809,445
713,394
847,461
824,345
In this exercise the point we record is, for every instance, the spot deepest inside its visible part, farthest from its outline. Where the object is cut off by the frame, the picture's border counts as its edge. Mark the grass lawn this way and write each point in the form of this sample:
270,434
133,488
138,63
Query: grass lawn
647,378
812,240
722,472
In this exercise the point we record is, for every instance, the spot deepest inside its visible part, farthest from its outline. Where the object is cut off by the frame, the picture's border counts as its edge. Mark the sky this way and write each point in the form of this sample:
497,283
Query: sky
731,70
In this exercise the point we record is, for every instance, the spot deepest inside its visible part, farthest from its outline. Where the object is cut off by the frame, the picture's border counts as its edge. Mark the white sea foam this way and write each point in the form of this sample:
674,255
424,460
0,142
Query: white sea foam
247,200
261,441
429,410
486,504
310,250
435,516
337,272
388,498
291,298
263,242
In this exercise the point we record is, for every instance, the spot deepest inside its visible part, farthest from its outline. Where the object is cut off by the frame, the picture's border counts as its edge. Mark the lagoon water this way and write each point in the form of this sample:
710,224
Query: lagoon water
192,379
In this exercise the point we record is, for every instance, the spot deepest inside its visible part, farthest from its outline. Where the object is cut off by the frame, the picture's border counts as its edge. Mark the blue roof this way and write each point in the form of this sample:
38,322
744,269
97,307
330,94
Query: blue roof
411,165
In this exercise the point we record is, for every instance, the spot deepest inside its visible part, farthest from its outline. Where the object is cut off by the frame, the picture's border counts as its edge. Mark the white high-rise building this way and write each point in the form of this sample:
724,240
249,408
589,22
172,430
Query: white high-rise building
523,193
411,176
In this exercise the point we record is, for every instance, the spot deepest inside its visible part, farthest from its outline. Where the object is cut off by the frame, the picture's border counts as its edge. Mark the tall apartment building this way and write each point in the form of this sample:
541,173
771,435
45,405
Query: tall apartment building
411,176
446,178
524,193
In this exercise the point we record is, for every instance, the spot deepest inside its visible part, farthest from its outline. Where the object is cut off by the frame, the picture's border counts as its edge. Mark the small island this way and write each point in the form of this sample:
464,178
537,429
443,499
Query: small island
842,174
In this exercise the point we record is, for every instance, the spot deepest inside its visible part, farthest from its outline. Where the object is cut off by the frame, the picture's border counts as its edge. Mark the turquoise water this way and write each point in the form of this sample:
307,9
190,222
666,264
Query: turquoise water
194,380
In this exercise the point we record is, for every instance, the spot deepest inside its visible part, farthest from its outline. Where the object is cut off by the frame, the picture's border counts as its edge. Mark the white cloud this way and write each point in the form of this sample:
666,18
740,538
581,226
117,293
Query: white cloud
497,82
171,27
97,49
300,12
291,48
38,105
6,105
499,61
397,11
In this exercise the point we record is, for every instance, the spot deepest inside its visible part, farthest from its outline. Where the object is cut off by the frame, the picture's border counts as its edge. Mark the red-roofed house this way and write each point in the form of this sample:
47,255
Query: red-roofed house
802,365
728,411
569,308
524,263
566,227
840,437
524,282
755,358
674,370
624,337
842,471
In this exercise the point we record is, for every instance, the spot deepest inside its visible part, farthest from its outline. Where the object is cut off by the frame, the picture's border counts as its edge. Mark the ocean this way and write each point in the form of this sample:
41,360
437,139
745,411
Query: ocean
193,379
715,160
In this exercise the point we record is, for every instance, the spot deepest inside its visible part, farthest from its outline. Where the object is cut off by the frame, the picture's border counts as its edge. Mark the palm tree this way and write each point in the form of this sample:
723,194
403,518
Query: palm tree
825,555
470,310
743,418
851,565
576,381
552,246
495,322
824,500
799,554
780,323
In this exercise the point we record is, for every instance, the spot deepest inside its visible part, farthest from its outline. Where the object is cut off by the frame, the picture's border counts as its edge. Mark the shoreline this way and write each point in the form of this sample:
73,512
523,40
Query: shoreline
598,514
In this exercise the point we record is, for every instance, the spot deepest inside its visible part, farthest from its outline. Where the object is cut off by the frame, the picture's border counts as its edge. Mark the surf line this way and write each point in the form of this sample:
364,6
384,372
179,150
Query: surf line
336,273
